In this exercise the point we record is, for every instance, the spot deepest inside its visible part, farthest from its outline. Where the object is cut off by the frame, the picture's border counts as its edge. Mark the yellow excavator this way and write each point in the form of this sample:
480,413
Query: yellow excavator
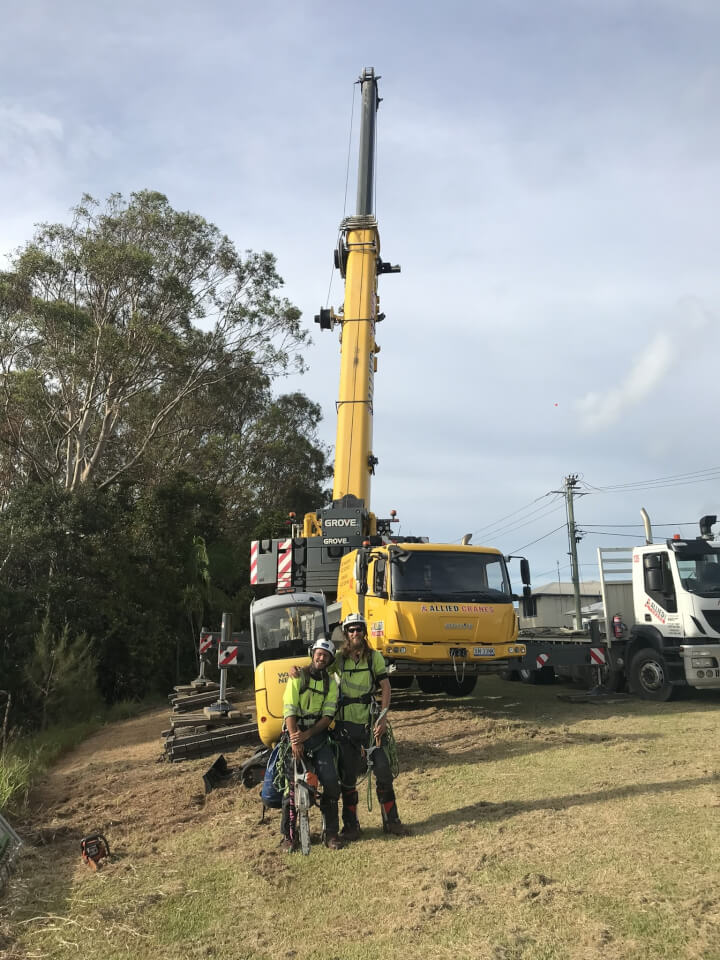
441,613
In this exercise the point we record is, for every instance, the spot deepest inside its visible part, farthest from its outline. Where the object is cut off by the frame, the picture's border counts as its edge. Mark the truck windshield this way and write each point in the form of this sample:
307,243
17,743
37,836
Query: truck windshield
444,575
700,573
286,631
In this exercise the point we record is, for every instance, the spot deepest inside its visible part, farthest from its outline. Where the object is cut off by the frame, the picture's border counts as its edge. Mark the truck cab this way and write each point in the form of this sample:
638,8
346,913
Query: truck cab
676,595
433,610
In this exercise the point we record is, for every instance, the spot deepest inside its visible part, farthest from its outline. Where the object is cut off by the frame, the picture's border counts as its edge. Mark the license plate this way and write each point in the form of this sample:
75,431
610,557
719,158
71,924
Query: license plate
484,652
458,652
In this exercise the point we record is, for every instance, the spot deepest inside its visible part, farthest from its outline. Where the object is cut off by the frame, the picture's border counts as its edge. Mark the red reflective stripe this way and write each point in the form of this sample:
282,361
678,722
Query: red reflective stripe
228,658
254,545
284,563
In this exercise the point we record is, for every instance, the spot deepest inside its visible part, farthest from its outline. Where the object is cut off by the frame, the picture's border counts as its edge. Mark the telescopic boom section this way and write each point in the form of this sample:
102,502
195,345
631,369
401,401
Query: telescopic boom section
348,520
366,164
358,257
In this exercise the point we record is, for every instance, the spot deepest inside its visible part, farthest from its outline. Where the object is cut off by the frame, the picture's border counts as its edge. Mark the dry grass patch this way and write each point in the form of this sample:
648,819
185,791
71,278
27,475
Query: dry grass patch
543,831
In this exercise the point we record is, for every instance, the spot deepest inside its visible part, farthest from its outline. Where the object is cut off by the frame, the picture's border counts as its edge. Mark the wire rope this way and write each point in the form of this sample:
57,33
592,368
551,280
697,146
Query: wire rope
347,181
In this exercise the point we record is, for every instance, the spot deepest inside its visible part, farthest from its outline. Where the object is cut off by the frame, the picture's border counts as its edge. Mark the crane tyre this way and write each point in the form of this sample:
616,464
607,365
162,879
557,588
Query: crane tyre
510,675
648,675
401,682
430,684
459,688
543,675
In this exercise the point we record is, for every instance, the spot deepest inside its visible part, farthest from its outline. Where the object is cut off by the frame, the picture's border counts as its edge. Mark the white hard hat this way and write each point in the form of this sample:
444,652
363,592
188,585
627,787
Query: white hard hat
322,644
354,620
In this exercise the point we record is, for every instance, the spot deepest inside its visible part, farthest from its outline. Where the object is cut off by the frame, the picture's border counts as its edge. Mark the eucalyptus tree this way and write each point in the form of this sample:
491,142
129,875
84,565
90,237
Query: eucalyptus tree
110,324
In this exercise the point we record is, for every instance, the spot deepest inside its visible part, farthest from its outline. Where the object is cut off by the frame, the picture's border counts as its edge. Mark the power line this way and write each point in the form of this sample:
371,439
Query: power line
554,570
495,523
683,523
544,537
608,533
505,531
498,530
658,483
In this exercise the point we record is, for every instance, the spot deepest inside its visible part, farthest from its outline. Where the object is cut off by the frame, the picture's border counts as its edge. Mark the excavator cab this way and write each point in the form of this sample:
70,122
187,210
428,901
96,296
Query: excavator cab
283,628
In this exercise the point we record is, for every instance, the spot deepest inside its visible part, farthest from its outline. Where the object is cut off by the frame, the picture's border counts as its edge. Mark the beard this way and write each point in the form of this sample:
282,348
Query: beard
357,643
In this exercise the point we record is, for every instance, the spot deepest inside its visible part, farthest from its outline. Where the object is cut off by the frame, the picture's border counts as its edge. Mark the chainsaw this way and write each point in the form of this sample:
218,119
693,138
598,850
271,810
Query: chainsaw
94,848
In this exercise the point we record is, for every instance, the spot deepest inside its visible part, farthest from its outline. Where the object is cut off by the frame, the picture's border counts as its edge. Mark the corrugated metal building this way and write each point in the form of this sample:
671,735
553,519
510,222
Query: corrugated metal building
552,605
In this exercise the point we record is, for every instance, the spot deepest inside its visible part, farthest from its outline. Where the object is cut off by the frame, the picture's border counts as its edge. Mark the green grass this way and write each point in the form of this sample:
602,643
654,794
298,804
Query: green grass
543,831
28,758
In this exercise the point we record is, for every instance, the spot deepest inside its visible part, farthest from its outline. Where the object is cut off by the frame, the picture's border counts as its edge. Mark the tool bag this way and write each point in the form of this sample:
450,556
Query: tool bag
271,794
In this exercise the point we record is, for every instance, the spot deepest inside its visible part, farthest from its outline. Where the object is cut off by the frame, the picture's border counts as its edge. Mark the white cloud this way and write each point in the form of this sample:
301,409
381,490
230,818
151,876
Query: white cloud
601,410
26,137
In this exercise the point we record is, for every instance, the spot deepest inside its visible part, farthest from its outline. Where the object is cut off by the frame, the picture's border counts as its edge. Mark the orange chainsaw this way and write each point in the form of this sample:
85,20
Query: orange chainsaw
94,848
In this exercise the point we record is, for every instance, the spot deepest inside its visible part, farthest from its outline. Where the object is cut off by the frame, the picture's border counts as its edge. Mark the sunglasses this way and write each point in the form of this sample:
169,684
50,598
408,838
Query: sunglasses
355,630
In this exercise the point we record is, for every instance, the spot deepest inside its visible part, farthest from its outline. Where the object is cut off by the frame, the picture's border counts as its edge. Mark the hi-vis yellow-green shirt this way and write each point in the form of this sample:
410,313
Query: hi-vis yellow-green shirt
306,699
357,681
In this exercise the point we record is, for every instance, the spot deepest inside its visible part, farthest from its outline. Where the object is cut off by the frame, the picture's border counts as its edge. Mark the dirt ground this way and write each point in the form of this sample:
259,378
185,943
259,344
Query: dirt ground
118,782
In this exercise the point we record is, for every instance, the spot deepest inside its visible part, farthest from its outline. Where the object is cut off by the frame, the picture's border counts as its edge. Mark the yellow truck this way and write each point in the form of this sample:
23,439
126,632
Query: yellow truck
442,613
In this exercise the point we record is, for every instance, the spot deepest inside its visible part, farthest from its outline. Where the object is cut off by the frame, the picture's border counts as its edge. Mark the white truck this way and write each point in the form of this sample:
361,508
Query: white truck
661,617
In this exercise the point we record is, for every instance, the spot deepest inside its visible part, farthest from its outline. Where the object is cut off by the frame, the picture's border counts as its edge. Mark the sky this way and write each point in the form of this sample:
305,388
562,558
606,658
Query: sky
548,178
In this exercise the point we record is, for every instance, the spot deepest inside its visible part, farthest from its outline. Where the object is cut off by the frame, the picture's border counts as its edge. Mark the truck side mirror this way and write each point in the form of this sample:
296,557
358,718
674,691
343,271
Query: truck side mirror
527,592
706,525
525,572
361,571
379,578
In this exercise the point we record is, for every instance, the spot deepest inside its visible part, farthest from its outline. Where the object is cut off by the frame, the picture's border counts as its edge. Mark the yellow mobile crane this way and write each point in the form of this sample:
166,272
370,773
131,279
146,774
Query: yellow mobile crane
441,613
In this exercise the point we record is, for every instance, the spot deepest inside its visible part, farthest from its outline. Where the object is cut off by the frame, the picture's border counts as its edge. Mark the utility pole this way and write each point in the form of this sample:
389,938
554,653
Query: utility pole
569,492
570,484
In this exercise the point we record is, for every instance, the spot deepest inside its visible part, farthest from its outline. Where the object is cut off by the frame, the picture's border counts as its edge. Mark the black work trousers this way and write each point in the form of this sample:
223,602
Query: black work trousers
321,757
353,739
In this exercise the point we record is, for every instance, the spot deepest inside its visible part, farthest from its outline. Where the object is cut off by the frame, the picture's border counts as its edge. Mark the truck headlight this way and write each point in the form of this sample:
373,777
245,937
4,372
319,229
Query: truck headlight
703,662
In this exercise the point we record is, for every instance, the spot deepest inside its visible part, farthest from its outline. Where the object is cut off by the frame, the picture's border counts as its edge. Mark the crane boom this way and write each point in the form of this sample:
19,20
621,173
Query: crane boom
358,253
358,258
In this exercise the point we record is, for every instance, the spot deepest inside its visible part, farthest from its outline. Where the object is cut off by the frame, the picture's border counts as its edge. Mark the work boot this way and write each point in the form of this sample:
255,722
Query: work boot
333,842
397,828
350,832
